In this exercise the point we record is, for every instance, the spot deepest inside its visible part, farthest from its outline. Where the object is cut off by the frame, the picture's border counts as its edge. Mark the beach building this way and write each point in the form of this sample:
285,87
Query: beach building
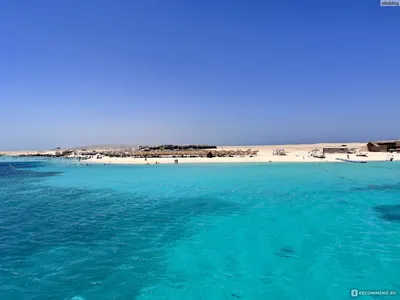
383,146
334,150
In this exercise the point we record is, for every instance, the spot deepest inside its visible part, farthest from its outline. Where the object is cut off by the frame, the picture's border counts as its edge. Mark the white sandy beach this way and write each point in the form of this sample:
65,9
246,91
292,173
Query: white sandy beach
295,153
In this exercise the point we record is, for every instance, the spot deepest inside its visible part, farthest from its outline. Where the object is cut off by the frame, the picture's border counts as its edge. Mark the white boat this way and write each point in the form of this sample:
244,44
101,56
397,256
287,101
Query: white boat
352,161
390,158
279,152
363,154
317,153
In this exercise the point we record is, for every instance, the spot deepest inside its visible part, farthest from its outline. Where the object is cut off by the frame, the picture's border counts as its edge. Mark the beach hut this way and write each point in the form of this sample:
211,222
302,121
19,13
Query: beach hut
383,146
334,150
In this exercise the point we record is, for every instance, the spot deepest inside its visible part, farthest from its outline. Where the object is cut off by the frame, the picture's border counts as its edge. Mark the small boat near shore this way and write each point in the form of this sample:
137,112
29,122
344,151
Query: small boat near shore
317,153
390,158
352,161
362,154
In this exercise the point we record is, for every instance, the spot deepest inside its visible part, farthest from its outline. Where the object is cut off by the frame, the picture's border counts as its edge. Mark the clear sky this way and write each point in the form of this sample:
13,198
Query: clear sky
219,72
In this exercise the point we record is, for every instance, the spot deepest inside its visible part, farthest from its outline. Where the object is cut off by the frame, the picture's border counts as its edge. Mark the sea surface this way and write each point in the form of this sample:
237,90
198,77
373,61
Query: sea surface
203,231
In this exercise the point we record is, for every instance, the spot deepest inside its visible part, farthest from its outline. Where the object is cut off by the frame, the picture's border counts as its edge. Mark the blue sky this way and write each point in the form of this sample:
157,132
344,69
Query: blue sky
219,72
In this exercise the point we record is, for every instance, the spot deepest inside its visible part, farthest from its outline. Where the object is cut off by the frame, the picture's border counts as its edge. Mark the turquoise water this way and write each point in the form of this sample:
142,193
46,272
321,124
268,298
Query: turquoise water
215,231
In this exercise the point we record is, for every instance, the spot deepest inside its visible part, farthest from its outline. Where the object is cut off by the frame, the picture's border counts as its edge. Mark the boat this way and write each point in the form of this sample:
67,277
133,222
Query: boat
317,153
390,158
363,154
280,152
352,161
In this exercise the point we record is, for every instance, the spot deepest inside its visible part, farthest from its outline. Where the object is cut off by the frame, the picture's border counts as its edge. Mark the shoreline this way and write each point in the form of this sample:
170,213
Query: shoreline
330,158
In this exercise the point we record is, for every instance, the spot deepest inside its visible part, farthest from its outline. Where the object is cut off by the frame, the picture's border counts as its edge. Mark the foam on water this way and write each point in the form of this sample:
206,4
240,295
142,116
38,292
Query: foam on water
246,231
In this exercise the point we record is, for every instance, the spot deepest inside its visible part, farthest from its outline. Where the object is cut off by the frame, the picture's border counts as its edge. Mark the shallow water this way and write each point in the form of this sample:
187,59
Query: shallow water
212,231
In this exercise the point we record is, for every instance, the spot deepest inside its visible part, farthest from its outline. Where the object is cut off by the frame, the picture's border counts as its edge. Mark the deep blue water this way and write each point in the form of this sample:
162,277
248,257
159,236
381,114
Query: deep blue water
212,231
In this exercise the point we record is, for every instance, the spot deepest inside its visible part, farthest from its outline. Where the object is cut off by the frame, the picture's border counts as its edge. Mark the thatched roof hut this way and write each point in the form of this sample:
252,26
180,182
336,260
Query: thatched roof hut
192,153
